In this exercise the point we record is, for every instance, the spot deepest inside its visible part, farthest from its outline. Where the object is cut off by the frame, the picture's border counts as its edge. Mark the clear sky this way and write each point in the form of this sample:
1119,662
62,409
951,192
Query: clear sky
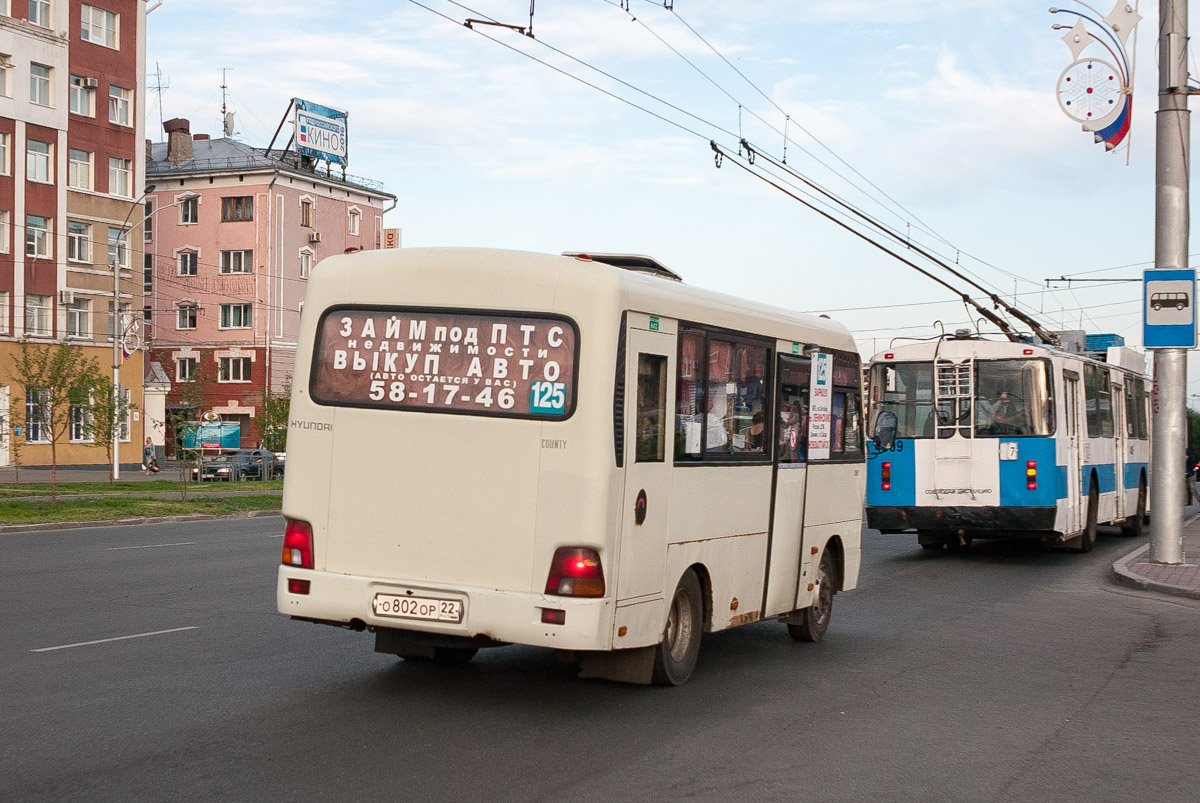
948,109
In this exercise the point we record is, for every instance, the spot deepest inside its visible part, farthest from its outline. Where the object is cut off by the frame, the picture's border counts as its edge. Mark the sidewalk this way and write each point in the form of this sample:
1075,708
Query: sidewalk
1182,580
130,472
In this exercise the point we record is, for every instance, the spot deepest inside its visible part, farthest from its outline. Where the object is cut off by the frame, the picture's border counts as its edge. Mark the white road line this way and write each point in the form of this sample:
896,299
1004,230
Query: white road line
275,536
147,546
118,638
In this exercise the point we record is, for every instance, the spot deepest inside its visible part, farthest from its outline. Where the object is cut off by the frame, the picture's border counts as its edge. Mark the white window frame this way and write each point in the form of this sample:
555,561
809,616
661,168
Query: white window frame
100,26
5,140
79,419
5,308
306,262
5,75
37,425
180,259
186,316
37,238
82,98
39,13
118,248
185,376
243,263
39,164
41,85
76,167
79,319
120,177
353,221
189,208
244,315
120,105
79,244
225,369
5,229
37,316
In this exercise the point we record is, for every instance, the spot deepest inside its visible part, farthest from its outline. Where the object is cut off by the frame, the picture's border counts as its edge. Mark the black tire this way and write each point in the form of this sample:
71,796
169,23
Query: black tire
1087,538
814,620
453,656
675,656
930,539
1135,525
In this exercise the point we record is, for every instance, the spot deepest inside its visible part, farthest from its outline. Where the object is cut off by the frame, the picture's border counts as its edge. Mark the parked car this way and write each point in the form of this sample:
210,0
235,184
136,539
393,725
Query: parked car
280,460
242,464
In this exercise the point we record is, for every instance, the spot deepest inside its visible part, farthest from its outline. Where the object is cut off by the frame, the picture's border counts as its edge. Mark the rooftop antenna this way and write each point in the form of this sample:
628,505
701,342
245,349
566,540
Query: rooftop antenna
158,88
226,116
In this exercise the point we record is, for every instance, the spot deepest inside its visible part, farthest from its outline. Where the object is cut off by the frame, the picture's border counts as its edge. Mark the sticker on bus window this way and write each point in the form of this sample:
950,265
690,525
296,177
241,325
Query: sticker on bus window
500,364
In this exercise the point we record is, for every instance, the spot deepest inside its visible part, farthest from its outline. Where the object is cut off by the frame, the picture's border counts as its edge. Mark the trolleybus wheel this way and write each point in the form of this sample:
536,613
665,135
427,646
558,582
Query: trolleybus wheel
1135,525
930,539
1087,538
814,620
675,656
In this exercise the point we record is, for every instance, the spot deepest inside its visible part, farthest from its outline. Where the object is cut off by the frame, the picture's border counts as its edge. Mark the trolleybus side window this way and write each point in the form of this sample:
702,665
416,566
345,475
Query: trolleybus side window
721,407
1098,398
1013,398
907,391
1135,408
651,408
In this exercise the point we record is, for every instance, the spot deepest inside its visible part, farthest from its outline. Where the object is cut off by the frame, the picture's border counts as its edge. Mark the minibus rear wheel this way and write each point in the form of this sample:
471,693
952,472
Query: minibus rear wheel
675,657
814,620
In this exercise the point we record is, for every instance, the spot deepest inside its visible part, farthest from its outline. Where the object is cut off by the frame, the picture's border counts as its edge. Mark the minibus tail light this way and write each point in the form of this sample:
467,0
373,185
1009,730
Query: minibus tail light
298,544
575,572
885,476
1031,475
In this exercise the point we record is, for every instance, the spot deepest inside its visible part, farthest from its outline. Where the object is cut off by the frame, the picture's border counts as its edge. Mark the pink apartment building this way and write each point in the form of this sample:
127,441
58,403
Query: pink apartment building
232,233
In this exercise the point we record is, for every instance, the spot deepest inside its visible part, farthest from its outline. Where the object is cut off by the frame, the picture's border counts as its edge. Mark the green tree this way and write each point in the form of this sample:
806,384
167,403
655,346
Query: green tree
59,382
183,420
273,417
109,415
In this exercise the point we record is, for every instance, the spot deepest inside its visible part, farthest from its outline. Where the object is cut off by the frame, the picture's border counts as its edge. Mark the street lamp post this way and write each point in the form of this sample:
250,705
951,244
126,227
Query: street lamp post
118,329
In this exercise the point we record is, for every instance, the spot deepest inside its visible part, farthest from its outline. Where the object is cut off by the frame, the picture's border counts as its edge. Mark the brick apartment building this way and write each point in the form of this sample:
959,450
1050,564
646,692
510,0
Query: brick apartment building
233,232
71,161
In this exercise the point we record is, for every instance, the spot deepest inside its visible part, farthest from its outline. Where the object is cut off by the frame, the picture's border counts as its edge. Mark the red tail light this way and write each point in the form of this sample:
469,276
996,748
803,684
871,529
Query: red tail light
298,544
1031,475
885,476
575,572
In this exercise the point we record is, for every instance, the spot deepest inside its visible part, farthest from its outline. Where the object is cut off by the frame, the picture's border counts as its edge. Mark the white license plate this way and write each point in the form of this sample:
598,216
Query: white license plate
405,607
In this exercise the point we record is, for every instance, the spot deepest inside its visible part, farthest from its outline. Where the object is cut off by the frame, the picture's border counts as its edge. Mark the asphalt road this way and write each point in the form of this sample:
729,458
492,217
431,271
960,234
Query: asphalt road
148,663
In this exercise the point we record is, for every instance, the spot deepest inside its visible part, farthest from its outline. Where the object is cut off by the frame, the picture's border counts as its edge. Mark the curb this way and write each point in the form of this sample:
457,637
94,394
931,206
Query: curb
1126,577
71,525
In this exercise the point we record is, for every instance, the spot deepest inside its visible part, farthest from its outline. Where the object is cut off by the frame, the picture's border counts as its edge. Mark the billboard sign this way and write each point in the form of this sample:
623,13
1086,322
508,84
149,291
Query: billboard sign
320,132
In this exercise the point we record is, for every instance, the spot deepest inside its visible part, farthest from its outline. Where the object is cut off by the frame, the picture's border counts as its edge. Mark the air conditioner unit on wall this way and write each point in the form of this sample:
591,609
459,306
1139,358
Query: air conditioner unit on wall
66,296
315,237
89,82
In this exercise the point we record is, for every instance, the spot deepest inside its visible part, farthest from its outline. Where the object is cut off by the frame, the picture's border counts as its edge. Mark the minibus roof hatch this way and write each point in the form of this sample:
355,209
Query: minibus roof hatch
633,262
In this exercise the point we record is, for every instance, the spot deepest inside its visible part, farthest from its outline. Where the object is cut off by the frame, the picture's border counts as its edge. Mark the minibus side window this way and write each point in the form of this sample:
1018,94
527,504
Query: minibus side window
793,409
651,408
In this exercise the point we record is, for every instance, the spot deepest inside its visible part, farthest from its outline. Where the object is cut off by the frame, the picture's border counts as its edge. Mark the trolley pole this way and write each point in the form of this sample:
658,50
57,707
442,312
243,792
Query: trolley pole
1170,251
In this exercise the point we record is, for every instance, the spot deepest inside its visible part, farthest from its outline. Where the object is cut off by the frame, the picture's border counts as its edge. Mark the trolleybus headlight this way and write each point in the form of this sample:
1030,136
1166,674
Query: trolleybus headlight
1031,475
885,476
575,572
298,544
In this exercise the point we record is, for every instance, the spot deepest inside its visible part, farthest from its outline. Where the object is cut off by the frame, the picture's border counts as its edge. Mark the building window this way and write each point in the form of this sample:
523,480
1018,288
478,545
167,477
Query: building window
120,103
237,261
147,276
3,154
4,229
37,236
4,312
80,427
185,317
39,13
185,369
5,66
37,161
118,249
306,210
187,263
306,258
39,84
239,208
236,316
37,315
189,211
98,26
233,369
148,222
79,316
120,177
79,241
37,417
83,96
79,169
352,222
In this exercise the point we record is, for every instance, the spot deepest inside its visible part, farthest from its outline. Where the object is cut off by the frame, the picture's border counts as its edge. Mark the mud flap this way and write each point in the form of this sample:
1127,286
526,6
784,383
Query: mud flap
624,666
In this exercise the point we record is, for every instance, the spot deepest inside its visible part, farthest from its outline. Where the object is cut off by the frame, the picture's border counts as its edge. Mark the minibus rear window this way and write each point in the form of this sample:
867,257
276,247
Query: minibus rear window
448,361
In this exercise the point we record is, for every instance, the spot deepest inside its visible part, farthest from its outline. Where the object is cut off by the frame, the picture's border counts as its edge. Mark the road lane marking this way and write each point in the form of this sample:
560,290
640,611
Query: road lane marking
117,638
275,536
148,546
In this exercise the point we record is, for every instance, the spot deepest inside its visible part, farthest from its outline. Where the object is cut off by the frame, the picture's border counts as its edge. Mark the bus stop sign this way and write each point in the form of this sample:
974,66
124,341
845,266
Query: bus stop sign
1169,309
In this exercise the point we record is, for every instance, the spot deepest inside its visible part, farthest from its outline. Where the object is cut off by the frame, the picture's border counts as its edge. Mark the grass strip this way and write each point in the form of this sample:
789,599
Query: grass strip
16,491
109,508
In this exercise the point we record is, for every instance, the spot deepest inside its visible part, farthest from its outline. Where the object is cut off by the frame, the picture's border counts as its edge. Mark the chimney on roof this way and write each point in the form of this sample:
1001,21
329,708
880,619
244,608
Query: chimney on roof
200,137
179,140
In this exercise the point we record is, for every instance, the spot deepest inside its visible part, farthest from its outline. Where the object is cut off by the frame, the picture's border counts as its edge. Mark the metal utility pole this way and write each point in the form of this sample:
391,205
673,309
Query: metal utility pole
1170,252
